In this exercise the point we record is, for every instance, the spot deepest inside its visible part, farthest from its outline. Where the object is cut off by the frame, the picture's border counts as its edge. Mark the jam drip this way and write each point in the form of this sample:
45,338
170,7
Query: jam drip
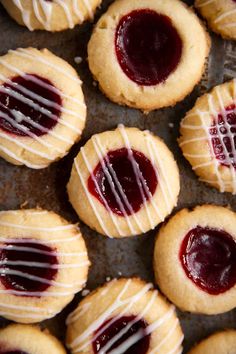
148,47
125,179
208,257
223,132
30,252
104,336
29,109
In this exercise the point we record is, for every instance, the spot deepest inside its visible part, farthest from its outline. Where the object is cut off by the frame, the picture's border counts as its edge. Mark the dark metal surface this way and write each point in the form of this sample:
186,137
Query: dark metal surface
46,188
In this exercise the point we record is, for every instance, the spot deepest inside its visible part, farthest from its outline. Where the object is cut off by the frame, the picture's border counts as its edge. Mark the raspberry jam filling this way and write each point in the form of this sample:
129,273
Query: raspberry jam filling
123,181
29,105
119,333
27,266
223,132
148,47
208,257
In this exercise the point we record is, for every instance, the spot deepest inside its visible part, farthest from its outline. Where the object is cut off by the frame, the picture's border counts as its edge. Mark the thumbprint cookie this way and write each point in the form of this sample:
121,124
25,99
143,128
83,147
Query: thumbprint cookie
195,259
220,15
42,109
124,316
218,343
124,182
43,264
50,15
208,137
148,54
26,339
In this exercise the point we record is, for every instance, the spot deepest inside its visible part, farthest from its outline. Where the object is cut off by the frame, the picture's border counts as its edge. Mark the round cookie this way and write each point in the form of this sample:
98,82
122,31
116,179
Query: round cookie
43,264
207,137
195,259
148,54
124,182
124,316
220,15
42,109
218,343
50,15
26,339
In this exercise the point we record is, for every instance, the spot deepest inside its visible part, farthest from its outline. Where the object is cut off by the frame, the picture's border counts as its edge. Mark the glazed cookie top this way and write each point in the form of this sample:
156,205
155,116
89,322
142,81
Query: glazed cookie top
195,259
25,339
124,316
43,263
124,182
42,109
51,15
218,343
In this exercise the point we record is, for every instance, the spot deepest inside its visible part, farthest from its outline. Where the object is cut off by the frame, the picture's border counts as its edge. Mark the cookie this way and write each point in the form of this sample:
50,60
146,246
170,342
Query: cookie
195,259
25,339
148,54
124,316
220,15
208,137
50,15
218,343
43,264
124,182
42,109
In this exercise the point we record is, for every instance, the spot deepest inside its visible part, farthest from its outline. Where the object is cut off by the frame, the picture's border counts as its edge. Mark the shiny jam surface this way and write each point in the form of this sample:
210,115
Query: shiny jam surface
104,337
27,267
123,181
28,105
223,140
208,257
148,47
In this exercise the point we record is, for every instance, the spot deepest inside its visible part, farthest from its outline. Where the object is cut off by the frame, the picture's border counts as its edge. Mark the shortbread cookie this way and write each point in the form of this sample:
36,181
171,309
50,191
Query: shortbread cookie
148,54
219,343
208,137
124,316
195,259
124,182
50,15
220,15
43,264
42,109
26,339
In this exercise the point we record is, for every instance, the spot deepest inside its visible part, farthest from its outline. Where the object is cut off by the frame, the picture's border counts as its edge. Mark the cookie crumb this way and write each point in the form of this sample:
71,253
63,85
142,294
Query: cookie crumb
85,292
108,279
78,60
171,125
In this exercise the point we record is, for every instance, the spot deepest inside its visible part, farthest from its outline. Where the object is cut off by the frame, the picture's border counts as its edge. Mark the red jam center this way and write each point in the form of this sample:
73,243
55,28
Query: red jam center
123,181
208,257
116,334
27,267
148,47
29,105
223,139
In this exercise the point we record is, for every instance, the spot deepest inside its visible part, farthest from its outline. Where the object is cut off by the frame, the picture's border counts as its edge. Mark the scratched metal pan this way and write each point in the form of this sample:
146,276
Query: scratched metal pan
46,188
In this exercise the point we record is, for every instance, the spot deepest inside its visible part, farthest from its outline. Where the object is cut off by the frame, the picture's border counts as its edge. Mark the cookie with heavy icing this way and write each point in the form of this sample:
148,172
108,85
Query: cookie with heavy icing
148,54
208,137
26,339
220,15
195,259
124,316
43,264
124,182
42,109
218,343
50,15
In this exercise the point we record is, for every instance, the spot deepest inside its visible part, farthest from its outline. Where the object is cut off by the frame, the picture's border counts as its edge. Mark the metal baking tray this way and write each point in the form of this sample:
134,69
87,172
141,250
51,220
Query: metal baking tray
46,188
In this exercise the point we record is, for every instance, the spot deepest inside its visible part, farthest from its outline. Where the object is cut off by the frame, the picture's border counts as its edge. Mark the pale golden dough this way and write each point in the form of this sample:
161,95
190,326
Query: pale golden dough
219,343
169,273
220,15
114,82
29,339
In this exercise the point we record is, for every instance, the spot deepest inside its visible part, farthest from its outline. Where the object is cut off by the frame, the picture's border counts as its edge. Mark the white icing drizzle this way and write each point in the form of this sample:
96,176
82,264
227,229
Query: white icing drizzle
222,15
83,340
31,227
43,12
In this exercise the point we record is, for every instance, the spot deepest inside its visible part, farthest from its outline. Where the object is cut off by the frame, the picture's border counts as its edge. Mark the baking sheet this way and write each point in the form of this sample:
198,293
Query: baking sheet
46,188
